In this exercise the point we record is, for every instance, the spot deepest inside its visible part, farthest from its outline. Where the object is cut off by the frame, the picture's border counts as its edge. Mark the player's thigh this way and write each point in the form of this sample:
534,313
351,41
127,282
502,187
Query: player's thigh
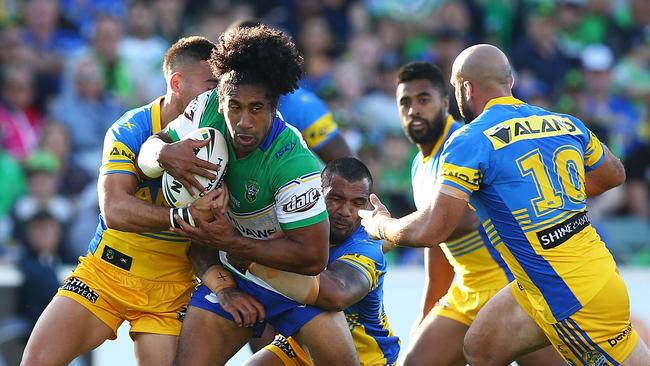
546,356
502,331
264,357
328,340
65,330
258,343
438,340
640,356
155,349
208,339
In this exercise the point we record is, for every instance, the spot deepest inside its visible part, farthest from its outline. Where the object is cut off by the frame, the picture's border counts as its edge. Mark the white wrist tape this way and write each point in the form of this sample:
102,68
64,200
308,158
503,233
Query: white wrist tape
148,158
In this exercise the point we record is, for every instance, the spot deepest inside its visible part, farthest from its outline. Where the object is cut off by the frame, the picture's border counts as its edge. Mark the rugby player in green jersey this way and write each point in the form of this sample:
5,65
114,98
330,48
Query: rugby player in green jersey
276,214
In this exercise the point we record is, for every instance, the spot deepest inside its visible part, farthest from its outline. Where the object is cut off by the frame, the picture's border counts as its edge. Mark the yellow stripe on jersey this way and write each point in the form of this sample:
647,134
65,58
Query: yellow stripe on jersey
527,128
120,159
156,122
365,265
467,178
369,351
320,130
594,150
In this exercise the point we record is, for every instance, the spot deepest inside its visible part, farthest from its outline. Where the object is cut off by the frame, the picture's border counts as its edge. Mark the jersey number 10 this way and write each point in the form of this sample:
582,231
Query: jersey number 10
565,181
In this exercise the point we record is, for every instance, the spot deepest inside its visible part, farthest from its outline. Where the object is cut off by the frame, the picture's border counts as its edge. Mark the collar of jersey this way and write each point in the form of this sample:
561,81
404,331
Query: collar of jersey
155,116
509,100
441,140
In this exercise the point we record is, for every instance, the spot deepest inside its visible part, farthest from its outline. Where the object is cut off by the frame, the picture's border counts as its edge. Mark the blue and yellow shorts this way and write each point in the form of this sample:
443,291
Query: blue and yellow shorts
114,295
600,333
462,305
285,315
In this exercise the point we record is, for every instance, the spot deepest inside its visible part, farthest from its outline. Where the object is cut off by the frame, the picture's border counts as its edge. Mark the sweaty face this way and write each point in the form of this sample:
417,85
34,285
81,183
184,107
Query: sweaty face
422,110
344,200
249,114
195,79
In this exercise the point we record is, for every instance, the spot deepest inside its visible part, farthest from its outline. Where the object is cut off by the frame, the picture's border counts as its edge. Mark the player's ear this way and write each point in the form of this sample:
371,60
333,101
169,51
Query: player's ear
175,81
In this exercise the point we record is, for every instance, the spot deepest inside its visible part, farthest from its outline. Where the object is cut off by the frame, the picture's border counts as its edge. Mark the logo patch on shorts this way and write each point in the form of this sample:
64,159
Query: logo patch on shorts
181,313
594,358
623,335
73,284
283,344
117,258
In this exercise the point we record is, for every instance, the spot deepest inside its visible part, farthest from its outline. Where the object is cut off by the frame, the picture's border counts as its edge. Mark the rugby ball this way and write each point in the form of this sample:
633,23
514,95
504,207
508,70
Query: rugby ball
215,152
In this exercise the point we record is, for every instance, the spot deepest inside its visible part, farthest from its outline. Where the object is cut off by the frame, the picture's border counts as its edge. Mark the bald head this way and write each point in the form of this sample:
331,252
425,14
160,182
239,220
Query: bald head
480,73
485,66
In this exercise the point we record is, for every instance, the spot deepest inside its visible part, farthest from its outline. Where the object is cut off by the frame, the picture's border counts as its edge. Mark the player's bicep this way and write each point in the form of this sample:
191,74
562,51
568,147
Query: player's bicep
341,285
608,174
112,188
464,161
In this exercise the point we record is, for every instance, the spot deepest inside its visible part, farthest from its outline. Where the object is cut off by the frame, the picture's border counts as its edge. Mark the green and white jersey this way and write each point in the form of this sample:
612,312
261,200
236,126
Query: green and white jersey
276,187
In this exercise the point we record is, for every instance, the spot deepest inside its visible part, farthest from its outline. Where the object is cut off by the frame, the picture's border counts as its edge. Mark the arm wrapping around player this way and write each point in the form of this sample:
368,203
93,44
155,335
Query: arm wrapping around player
335,289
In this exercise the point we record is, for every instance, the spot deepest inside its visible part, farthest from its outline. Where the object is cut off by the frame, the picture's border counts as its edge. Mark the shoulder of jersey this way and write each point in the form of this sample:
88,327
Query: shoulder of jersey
215,152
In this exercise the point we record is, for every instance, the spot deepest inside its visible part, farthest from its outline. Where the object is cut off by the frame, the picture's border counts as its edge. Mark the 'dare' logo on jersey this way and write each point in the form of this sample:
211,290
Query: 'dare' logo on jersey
303,202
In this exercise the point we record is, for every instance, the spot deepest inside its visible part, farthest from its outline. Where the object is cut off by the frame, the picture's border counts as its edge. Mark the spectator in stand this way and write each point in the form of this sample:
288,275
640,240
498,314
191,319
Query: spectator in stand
87,111
20,122
48,43
143,51
12,187
39,264
43,181
538,54
612,114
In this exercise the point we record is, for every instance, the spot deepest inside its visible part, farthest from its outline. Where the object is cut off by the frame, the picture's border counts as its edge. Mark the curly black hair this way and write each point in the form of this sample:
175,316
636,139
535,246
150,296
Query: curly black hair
422,70
260,56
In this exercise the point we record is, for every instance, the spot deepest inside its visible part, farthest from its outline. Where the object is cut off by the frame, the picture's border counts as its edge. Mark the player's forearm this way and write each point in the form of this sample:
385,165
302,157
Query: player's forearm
127,213
202,258
415,230
284,254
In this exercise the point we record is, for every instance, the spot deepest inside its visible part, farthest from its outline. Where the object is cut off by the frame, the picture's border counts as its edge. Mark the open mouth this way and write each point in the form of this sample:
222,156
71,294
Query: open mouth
246,140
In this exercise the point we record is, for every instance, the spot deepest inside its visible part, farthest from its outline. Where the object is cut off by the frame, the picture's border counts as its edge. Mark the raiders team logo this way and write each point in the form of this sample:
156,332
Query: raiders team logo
252,188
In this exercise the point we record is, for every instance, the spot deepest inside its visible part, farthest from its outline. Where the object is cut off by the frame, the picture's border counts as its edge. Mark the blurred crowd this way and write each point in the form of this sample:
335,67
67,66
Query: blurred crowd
69,68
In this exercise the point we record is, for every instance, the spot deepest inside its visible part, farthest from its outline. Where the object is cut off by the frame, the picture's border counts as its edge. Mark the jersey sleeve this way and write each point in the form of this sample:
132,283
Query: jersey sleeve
594,152
367,258
310,116
464,161
299,195
122,143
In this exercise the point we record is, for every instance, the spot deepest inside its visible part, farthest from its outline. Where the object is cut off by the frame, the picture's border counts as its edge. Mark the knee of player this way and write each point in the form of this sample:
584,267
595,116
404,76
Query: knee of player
474,345
36,357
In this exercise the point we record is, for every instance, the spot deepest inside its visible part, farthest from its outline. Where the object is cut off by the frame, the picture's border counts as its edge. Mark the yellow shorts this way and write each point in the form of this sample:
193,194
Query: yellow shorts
113,295
289,351
600,333
461,305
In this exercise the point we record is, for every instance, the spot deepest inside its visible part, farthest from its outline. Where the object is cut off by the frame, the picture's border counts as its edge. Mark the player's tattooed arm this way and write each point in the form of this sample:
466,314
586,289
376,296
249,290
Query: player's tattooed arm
609,174
244,309
340,287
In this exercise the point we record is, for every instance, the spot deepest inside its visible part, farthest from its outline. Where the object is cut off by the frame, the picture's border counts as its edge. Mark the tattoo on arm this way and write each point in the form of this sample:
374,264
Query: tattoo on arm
202,258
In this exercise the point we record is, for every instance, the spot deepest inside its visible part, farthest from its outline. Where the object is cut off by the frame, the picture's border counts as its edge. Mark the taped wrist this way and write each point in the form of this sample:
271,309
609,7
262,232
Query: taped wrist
301,288
217,278
148,158
183,213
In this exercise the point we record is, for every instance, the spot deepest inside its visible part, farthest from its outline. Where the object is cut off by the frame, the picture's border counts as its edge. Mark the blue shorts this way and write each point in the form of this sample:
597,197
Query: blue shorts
285,315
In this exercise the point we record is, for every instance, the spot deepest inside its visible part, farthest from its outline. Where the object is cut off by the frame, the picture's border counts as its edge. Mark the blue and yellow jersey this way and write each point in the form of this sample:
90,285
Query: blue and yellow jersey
373,338
305,111
162,255
477,264
524,169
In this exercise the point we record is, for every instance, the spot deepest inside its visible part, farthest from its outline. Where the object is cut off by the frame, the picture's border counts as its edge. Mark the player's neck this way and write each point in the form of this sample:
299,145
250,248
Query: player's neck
168,110
426,149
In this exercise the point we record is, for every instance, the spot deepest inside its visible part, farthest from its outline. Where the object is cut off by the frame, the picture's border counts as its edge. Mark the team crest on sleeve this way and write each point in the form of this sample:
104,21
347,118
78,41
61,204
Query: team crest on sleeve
252,188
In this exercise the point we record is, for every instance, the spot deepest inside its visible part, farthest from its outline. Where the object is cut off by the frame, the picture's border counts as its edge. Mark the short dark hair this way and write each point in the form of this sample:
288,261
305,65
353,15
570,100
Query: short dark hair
244,23
260,56
194,49
348,168
422,70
